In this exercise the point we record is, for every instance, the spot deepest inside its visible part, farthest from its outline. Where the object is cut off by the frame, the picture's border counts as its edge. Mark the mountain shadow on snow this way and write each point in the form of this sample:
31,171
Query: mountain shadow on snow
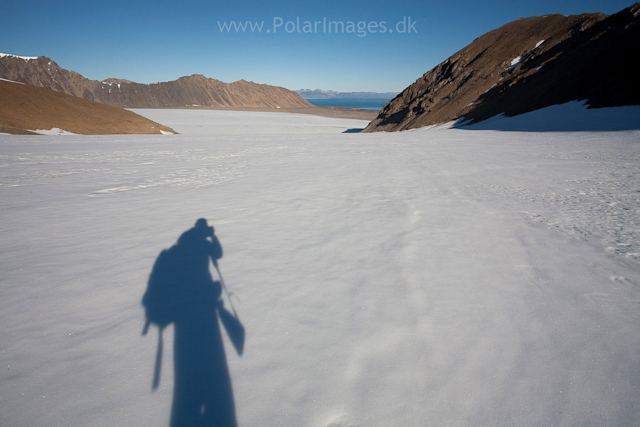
181,291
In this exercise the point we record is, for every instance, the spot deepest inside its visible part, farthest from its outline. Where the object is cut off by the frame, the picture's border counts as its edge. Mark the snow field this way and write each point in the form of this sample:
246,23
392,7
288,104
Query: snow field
441,277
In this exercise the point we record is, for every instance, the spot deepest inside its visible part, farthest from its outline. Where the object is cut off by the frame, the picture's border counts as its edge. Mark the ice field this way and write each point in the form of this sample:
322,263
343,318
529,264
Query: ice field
434,277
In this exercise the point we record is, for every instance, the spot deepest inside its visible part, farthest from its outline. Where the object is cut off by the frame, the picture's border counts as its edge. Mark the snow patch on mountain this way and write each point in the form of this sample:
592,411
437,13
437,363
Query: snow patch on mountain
11,81
53,131
26,58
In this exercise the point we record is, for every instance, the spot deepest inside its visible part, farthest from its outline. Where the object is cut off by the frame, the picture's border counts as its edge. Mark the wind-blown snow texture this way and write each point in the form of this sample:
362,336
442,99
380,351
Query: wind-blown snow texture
429,277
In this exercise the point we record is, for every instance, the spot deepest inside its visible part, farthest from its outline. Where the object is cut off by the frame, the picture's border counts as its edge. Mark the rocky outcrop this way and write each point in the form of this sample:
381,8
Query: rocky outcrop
25,108
525,65
186,91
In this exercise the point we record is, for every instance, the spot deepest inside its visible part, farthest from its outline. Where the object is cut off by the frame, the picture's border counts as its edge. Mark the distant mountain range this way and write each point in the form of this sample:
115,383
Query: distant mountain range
526,65
324,94
194,90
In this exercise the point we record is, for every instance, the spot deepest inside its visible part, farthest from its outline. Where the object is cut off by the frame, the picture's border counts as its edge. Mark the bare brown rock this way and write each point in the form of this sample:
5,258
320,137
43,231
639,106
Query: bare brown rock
525,65
25,108
186,91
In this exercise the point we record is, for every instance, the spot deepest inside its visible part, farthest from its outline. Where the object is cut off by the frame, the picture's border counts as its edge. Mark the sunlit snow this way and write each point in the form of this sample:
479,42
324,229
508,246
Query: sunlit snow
26,58
53,131
429,277
10,81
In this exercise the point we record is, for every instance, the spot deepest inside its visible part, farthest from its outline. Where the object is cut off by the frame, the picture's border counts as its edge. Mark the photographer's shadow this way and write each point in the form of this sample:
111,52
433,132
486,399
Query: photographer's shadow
182,291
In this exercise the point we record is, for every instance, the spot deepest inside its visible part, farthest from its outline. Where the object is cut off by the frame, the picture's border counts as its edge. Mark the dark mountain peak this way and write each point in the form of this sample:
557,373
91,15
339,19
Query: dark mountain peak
524,65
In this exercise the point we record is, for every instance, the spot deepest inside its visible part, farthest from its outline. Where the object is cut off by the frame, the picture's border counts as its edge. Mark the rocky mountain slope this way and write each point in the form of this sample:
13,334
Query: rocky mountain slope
25,108
186,91
526,65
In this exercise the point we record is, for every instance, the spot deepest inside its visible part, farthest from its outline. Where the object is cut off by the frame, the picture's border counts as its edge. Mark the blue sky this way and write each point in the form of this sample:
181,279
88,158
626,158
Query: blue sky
148,41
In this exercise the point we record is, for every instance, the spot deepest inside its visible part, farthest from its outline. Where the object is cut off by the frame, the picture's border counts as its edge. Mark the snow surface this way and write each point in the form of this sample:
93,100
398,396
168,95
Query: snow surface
429,277
26,58
569,117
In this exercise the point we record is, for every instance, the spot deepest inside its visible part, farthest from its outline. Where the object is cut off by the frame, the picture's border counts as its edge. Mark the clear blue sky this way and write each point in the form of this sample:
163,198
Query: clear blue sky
148,41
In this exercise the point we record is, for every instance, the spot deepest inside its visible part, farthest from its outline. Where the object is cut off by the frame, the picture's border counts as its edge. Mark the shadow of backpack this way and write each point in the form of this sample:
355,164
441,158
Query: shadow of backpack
161,299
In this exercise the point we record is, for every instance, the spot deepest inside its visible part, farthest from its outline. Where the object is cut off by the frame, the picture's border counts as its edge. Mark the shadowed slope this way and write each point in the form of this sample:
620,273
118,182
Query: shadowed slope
525,65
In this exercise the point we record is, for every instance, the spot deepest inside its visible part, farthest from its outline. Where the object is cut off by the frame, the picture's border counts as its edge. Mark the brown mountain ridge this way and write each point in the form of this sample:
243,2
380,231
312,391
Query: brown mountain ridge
526,65
194,90
25,108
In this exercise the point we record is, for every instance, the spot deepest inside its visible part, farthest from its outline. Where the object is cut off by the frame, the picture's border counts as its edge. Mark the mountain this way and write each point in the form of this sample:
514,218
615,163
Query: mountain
186,91
324,94
25,108
526,65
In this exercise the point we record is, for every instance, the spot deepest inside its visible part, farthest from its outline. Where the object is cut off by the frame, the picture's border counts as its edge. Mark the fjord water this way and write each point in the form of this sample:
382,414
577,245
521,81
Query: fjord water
365,103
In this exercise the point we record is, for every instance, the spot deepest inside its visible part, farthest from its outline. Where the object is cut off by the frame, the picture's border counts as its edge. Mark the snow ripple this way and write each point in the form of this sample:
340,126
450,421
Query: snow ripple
606,206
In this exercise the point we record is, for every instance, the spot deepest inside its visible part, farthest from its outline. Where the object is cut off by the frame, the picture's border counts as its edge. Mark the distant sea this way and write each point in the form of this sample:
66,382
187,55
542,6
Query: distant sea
366,103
